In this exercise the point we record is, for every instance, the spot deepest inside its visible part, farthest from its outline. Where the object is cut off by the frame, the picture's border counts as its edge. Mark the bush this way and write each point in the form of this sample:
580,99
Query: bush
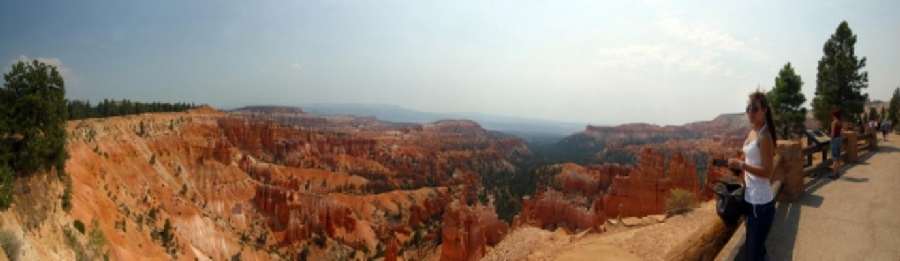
680,201
166,237
72,241
6,186
66,199
78,226
97,241
95,249
11,245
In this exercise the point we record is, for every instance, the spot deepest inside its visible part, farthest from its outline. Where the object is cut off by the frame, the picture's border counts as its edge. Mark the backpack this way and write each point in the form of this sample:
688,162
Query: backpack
729,201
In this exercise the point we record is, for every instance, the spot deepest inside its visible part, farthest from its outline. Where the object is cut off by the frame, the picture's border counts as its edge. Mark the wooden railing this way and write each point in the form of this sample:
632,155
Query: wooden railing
861,141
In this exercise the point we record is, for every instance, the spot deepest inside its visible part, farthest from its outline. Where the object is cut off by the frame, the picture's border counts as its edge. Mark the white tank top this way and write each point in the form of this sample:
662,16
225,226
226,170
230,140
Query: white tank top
759,189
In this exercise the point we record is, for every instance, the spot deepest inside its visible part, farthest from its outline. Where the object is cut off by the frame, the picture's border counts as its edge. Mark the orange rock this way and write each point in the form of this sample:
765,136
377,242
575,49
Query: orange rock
466,231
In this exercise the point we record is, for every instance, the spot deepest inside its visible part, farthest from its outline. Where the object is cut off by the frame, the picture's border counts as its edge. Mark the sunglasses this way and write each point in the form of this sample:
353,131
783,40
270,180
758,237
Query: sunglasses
751,109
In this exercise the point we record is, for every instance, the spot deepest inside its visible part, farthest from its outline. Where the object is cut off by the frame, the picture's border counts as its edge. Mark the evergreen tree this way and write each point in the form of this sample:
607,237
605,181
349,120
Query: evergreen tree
840,79
787,102
873,114
34,107
894,108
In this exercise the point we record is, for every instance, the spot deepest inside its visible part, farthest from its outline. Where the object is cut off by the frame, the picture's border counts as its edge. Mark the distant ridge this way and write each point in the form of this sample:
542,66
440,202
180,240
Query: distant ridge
527,128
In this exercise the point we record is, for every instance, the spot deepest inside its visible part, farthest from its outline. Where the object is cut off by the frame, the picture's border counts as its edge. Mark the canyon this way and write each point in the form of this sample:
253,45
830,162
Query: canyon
268,182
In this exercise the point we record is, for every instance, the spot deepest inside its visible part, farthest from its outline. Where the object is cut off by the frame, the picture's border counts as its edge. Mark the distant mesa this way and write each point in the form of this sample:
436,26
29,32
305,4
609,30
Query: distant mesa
269,109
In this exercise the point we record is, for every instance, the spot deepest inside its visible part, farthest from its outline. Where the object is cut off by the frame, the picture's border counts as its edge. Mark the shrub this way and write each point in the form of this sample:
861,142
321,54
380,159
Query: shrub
78,226
6,186
122,225
66,199
680,201
11,244
304,254
95,247
96,239
166,237
72,242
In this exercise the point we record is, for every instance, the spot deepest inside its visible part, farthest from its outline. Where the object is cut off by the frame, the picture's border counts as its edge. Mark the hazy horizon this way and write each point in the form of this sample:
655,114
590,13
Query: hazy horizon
602,63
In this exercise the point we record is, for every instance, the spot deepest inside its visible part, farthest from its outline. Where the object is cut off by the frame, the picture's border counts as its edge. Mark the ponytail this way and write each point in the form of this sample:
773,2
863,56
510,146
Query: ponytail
771,125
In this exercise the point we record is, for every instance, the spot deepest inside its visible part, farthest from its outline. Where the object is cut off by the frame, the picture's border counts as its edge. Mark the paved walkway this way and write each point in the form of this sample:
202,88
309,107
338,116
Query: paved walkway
856,217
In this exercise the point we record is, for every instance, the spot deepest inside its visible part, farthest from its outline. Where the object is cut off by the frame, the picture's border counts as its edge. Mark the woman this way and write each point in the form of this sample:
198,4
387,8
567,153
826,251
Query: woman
759,154
836,140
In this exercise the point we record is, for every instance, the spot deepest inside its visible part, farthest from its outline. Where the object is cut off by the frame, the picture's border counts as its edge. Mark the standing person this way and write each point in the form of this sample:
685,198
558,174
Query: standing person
885,128
873,126
757,167
836,140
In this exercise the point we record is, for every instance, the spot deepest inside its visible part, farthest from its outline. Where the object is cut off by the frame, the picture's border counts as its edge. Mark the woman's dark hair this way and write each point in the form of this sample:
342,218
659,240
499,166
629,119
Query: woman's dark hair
758,100
836,113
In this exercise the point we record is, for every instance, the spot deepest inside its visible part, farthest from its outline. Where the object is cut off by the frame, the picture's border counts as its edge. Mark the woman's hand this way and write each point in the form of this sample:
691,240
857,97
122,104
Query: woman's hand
735,164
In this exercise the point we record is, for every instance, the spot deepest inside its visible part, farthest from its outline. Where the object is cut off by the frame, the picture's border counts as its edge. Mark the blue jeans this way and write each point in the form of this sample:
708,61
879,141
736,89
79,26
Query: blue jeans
759,223
836,147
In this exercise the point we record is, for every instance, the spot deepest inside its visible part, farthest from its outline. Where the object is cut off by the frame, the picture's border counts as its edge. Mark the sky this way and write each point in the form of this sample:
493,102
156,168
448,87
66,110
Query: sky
598,62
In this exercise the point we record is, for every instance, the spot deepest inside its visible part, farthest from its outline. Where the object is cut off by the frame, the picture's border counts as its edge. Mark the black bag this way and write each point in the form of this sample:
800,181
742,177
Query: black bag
729,201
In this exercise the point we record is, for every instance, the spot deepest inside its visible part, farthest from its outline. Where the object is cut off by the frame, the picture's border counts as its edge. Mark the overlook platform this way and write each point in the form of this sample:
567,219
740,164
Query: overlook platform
855,217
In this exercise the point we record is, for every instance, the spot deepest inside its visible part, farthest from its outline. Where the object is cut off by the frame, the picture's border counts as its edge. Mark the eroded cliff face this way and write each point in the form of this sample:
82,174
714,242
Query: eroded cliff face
274,183
580,198
468,230
623,143
292,186
645,189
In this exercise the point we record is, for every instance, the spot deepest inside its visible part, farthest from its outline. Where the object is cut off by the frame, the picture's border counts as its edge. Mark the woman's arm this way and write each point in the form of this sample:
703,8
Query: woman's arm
767,152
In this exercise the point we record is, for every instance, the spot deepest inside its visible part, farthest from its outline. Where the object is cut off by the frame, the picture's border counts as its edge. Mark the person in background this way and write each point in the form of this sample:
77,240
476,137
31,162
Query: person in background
886,126
873,127
836,140
757,167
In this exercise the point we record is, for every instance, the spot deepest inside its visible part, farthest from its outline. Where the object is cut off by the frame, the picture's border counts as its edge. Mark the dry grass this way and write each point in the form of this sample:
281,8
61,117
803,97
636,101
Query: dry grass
680,201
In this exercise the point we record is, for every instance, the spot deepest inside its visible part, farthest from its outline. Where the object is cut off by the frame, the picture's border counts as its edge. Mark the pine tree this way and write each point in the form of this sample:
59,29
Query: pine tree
840,79
33,97
787,102
873,114
894,108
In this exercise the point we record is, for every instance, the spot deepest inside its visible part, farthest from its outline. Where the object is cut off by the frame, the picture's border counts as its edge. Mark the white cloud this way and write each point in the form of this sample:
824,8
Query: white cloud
685,47
700,35
63,70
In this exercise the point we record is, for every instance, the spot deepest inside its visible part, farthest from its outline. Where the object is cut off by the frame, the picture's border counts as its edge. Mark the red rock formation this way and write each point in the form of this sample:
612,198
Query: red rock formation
550,209
583,198
281,178
588,181
645,189
390,254
468,230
